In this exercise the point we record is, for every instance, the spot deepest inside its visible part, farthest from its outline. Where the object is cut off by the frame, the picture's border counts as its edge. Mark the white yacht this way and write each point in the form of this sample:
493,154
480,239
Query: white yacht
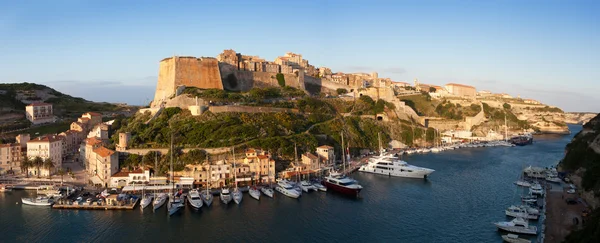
512,238
207,197
237,195
287,189
267,190
528,209
535,172
553,179
306,186
522,183
175,203
160,200
38,201
254,192
517,225
320,187
392,166
536,189
146,200
225,196
518,212
194,199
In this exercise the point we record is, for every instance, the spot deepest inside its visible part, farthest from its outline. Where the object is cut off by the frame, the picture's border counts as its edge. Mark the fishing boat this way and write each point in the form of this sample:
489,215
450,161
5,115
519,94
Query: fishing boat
512,238
517,225
254,192
194,199
38,201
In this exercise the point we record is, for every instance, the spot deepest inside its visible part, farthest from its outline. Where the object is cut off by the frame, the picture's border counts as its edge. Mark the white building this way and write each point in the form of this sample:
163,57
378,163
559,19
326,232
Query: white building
45,147
38,113
124,178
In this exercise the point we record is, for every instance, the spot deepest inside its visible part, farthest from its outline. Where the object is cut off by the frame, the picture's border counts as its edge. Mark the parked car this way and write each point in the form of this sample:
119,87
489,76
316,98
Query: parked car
571,201
571,191
89,201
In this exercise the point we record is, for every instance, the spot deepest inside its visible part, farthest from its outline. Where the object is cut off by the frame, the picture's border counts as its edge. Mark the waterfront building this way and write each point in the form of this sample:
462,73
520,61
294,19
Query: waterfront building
461,89
217,174
262,167
71,141
39,113
10,157
309,161
86,152
102,165
326,153
125,178
46,147
94,118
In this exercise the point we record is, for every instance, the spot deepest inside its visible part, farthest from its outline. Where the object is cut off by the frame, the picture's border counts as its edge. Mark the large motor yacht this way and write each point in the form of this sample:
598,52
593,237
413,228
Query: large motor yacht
342,184
194,199
285,188
517,225
225,196
391,165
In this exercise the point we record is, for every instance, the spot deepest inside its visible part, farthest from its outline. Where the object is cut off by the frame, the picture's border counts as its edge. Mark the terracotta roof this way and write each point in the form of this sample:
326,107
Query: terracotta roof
460,85
38,104
250,151
263,157
92,141
121,174
325,147
45,139
84,118
103,152
93,114
311,156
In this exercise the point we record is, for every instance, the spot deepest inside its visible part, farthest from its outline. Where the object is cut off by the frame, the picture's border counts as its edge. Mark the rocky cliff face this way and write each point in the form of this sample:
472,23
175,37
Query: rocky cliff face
578,117
547,120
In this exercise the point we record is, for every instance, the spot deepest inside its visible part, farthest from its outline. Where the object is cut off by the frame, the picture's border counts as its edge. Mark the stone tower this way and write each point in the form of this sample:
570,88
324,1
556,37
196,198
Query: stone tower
124,139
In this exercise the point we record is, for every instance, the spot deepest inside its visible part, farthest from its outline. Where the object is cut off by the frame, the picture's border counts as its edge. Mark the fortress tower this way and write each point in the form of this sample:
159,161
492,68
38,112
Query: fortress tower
187,71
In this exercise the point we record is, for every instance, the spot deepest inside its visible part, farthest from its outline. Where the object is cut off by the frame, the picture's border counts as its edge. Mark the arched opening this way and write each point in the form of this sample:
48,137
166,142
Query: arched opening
380,118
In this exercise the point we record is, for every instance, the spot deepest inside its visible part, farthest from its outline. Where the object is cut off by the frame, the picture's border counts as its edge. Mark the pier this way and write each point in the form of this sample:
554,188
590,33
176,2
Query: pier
94,206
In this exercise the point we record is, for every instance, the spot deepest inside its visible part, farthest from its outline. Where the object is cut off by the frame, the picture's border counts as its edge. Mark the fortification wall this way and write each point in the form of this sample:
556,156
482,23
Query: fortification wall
246,80
444,125
249,109
165,86
210,76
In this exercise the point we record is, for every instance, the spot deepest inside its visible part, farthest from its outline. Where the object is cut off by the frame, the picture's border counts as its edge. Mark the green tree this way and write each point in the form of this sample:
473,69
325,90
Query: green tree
26,163
432,90
341,91
61,172
38,162
280,79
49,165
506,106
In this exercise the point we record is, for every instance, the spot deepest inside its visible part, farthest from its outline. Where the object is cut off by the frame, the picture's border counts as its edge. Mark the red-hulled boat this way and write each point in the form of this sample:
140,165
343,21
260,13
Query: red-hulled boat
342,184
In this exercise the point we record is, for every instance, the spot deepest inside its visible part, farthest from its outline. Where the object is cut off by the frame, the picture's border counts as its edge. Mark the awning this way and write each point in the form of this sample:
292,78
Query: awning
96,180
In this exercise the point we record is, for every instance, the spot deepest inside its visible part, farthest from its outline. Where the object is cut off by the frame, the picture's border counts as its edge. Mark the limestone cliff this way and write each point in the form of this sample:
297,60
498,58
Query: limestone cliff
543,119
578,117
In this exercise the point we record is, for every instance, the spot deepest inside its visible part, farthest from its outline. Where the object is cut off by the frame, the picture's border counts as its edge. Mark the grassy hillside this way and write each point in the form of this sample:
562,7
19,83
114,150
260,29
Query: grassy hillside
12,95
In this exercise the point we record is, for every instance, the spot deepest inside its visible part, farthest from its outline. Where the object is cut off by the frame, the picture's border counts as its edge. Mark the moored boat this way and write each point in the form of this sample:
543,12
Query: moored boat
4,188
237,195
267,190
287,189
254,192
159,201
225,196
512,238
38,201
342,184
517,225
194,199
518,212
522,183
306,186
319,186
146,200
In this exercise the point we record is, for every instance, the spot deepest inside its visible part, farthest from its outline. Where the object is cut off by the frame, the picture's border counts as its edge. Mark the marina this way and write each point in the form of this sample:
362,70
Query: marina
457,192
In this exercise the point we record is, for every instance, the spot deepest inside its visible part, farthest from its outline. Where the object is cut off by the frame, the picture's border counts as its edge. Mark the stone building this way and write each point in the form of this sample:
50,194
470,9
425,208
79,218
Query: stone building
261,166
286,69
10,157
461,90
272,67
103,164
39,113
326,153
46,147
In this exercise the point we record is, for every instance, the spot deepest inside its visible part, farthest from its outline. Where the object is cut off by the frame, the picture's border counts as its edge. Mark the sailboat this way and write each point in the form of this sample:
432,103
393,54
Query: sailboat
175,202
305,185
146,198
237,194
266,189
207,196
225,195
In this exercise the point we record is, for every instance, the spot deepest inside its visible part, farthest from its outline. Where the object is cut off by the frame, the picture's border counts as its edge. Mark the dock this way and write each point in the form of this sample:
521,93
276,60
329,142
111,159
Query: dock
129,206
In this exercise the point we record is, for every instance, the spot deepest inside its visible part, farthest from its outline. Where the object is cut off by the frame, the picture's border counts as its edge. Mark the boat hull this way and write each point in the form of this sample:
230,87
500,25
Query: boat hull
414,174
35,203
284,191
254,194
520,230
207,199
340,189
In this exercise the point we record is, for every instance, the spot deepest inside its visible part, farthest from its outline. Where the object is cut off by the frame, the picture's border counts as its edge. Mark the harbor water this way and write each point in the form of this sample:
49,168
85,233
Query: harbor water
469,190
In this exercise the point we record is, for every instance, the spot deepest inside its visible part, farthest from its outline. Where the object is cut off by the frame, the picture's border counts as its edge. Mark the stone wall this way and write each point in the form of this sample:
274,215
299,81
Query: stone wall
246,80
249,109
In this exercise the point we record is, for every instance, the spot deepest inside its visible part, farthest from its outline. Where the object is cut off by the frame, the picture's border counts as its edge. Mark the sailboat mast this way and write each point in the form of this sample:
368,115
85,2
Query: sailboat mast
234,170
296,159
379,139
209,174
172,182
505,129
343,154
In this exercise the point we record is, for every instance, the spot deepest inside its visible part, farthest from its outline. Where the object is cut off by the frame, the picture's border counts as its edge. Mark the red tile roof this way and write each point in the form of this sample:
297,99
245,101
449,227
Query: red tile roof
45,139
38,104
103,152
121,174
325,147
263,157
311,156
92,141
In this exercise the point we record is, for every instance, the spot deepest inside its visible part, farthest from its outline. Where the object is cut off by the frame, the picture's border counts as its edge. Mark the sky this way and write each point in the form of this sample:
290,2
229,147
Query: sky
110,50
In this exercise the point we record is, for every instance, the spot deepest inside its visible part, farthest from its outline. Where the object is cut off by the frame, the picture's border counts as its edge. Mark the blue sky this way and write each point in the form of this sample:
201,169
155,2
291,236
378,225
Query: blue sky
109,50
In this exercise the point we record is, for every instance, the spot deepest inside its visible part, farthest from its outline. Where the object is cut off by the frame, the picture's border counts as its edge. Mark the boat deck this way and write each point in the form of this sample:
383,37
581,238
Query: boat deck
96,207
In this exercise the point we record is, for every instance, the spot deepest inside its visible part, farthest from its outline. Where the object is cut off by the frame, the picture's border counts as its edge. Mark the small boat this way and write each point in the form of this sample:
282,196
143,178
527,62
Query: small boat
254,193
38,201
207,197
146,200
175,203
320,187
536,189
529,198
512,238
522,183
553,179
159,201
267,190
517,225
225,196
519,212
4,188
287,189
194,199
306,186
237,195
